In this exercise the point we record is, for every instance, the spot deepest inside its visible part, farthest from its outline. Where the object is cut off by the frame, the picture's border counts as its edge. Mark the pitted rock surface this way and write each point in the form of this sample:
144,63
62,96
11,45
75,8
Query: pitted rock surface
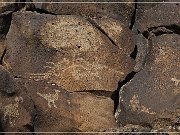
69,111
89,67
167,17
17,110
121,11
67,51
153,94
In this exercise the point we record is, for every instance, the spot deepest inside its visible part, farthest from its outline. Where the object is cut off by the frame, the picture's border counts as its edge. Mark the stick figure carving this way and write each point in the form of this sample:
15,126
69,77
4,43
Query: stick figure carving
51,98
11,111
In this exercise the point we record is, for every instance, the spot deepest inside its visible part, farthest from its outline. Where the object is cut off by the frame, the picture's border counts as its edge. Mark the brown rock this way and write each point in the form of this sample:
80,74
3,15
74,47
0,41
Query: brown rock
121,11
66,50
152,96
59,110
142,7
17,110
119,34
160,15
7,82
5,6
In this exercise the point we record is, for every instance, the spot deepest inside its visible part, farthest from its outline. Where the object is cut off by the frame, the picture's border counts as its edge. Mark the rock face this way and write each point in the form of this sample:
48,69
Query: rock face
164,18
59,110
152,96
65,61
16,108
68,51
121,11
98,66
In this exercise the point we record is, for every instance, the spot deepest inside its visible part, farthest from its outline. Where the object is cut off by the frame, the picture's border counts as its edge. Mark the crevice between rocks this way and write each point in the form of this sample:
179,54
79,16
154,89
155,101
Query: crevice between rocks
34,118
120,84
41,11
162,29
100,93
134,53
101,30
2,57
133,19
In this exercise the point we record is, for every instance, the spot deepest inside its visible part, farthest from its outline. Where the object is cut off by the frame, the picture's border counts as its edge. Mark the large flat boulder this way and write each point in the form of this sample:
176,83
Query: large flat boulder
66,50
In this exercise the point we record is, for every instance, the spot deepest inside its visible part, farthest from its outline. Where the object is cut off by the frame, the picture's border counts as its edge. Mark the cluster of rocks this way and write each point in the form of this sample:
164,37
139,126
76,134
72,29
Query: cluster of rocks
96,67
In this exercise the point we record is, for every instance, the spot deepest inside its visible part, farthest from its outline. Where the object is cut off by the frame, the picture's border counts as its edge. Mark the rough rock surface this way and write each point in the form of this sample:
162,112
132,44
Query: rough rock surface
59,110
121,11
68,51
16,109
152,96
62,66
167,17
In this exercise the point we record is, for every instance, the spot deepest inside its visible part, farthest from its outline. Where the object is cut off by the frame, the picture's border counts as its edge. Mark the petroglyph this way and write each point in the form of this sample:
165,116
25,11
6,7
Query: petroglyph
79,70
51,98
11,111
135,104
177,81
71,32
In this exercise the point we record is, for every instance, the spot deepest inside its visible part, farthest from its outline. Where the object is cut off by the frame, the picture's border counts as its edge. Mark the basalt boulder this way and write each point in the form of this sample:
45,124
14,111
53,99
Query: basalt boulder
58,110
120,11
17,110
152,97
66,50
161,15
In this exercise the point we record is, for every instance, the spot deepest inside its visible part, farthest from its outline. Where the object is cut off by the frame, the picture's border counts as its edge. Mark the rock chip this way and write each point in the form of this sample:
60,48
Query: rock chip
152,96
66,50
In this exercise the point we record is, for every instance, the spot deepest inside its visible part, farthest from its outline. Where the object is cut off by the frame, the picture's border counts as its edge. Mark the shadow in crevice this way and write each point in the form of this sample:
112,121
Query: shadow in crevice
115,95
134,53
2,57
41,11
133,19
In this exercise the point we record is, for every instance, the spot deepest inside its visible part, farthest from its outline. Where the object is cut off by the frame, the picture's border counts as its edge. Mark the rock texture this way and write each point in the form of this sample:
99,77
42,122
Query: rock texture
121,11
59,110
153,94
71,54
68,51
89,67
16,109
